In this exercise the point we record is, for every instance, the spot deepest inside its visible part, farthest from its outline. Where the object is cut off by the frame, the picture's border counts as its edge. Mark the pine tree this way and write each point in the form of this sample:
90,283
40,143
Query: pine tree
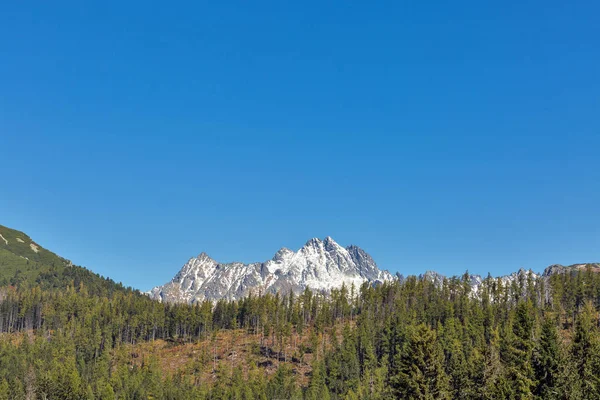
458,372
420,373
547,362
282,385
106,392
516,353
317,389
586,352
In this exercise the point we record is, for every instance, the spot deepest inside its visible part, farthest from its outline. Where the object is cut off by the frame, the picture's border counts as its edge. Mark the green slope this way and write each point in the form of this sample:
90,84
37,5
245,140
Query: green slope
24,263
23,260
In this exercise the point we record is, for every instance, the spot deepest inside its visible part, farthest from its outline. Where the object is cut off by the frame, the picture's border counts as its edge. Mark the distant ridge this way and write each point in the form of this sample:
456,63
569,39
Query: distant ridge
321,264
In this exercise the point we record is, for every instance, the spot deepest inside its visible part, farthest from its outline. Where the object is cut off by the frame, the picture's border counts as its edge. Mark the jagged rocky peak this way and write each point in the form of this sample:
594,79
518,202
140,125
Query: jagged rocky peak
554,269
330,244
522,273
433,276
314,242
360,255
204,258
320,264
282,254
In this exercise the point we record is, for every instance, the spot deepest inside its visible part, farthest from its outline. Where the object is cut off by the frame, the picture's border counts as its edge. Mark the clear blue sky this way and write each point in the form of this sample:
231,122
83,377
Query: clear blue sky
435,135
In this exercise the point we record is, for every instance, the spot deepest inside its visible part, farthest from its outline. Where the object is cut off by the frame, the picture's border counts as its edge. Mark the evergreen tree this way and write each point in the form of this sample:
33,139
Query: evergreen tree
283,385
516,352
586,352
317,389
547,362
420,373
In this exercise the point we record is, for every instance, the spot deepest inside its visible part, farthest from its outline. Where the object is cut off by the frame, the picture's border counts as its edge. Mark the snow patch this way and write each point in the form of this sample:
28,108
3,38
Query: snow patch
34,247
3,238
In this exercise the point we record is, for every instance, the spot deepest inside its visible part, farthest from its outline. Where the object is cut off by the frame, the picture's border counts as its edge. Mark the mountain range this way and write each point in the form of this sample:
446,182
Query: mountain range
320,264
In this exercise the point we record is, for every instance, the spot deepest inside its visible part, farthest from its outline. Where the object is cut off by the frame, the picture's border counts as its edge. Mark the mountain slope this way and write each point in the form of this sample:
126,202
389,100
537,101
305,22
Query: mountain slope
22,259
25,263
319,264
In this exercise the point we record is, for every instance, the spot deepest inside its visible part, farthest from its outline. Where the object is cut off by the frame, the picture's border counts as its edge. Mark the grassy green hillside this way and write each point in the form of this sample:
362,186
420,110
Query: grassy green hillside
25,263
23,260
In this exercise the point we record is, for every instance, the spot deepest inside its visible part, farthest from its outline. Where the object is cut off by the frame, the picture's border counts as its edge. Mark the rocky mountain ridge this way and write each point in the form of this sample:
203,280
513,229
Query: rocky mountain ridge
320,264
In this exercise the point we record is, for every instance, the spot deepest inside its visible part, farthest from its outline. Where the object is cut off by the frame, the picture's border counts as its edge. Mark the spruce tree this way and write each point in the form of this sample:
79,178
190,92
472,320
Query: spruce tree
586,352
516,353
420,373
317,389
547,361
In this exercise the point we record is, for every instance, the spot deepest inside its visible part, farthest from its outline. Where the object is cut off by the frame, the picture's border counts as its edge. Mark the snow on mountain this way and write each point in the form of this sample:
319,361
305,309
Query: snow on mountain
319,264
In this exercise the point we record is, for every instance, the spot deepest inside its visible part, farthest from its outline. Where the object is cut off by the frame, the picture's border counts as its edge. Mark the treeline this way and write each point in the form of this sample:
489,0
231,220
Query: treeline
531,338
129,317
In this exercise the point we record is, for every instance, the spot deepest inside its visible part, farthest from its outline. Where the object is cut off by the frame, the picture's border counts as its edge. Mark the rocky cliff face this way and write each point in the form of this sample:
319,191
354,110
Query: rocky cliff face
319,264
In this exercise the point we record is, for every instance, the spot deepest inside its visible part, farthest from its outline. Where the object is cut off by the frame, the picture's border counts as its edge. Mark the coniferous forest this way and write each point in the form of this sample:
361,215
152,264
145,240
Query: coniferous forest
70,334
194,161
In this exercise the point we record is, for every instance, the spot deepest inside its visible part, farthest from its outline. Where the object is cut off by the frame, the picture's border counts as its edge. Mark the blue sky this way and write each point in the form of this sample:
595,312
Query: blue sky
446,136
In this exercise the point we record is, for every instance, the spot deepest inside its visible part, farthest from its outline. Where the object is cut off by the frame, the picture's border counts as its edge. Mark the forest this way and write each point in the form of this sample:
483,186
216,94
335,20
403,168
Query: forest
536,338
68,333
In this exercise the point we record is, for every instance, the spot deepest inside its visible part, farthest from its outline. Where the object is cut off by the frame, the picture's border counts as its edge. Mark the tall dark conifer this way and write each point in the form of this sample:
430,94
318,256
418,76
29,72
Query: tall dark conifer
420,373
586,352
547,361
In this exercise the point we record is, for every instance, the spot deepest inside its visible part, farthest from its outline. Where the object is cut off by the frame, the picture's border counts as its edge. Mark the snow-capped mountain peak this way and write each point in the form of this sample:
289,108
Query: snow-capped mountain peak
319,264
